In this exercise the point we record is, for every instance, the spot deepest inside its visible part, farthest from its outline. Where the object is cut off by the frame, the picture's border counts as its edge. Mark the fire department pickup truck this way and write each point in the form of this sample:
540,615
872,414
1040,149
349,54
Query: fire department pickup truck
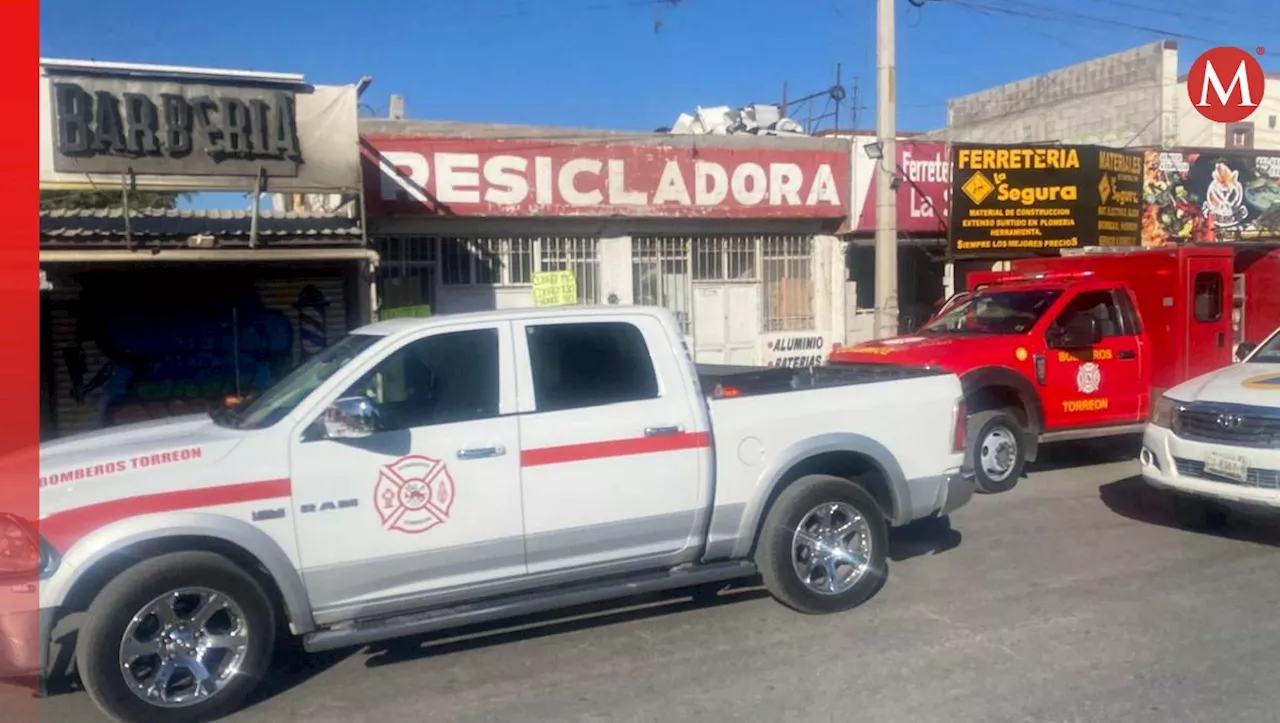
1071,347
1214,441
424,474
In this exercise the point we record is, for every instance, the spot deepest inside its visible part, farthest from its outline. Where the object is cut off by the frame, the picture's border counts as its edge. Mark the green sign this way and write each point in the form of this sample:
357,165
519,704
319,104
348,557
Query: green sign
555,288
404,312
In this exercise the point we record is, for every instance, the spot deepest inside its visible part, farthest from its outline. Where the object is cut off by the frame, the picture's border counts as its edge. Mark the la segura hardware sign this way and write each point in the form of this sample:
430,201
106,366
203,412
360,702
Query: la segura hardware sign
494,177
1019,199
924,186
104,125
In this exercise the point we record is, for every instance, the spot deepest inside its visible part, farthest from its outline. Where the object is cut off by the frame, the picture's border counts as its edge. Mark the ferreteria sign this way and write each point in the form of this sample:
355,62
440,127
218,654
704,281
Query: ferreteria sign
109,125
197,129
1044,198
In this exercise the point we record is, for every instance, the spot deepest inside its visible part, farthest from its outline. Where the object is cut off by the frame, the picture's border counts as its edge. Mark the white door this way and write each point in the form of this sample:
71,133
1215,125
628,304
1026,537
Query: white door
432,499
613,461
726,323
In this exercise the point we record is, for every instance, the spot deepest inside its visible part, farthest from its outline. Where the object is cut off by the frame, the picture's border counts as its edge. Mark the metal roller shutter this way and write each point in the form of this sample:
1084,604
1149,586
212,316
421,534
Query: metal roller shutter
189,370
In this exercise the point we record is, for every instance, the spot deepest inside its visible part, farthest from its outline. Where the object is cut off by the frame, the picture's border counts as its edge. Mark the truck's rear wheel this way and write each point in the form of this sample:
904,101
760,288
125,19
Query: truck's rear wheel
181,637
999,450
824,545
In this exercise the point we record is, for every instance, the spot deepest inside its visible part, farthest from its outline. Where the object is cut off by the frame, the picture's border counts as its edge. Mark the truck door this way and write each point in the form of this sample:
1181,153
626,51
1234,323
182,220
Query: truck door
611,446
1100,385
1209,334
430,500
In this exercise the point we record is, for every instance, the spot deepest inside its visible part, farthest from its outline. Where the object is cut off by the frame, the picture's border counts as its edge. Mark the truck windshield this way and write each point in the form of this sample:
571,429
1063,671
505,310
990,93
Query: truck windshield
282,397
1269,352
994,312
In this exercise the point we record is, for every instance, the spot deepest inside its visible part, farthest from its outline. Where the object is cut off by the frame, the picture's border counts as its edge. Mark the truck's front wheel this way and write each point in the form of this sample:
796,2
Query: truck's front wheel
999,450
824,545
181,637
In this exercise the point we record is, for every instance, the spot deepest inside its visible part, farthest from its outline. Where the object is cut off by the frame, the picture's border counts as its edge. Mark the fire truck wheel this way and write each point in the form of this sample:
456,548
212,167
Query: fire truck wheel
179,638
999,450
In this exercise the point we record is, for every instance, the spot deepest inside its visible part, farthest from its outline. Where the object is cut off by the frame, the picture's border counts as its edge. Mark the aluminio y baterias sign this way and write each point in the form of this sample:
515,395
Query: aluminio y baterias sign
1043,198
206,133
501,177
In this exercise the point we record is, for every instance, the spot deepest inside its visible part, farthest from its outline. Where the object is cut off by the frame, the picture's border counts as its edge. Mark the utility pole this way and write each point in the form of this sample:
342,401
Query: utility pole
886,196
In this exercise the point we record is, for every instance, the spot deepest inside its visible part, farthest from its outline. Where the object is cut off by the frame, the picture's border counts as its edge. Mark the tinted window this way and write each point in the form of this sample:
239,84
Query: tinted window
1101,305
441,379
1208,296
586,365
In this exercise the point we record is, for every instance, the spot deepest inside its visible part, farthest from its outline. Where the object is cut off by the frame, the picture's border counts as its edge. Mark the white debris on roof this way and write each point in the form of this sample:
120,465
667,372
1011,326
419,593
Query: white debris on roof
756,119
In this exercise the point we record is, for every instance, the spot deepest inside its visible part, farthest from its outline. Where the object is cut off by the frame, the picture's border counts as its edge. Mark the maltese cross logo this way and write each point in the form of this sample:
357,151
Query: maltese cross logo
414,494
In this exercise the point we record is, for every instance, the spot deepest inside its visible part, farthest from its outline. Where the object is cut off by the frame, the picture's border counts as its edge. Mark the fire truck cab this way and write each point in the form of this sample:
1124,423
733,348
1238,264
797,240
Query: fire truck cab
1076,347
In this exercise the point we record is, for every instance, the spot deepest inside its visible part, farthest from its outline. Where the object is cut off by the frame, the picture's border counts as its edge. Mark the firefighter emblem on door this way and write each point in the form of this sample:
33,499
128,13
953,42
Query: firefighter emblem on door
414,494
1088,378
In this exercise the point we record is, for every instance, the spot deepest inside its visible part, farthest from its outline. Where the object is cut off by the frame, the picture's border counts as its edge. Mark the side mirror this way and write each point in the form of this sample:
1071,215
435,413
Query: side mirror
350,418
1082,331
1244,349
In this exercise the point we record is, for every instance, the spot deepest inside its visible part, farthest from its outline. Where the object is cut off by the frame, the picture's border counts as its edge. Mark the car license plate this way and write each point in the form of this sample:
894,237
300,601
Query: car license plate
1236,468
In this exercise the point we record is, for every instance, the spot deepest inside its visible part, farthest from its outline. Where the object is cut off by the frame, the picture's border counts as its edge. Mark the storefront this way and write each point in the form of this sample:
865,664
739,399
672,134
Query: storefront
735,235
152,313
922,183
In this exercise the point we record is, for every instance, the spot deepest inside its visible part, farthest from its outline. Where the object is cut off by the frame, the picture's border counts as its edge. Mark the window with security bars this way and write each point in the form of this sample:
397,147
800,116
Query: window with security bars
665,268
787,269
491,260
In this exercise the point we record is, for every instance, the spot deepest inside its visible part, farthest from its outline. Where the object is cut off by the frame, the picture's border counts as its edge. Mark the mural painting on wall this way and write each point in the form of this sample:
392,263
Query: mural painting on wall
1210,196
184,357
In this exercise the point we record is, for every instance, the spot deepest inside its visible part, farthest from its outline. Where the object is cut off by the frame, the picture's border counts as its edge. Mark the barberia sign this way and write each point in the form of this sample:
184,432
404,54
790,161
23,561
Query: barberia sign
527,178
111,125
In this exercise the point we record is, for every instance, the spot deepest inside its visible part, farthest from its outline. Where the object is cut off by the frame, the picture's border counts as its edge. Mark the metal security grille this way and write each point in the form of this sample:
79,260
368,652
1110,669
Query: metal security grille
786,265
407,272
664,269
561,253
660,275
506,261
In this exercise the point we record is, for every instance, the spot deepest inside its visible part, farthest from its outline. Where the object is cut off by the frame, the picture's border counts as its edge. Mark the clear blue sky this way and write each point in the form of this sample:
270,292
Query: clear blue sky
637,64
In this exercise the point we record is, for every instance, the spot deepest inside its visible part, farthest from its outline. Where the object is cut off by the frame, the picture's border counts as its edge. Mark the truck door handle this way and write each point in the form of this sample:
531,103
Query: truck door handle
481,452
1127,354
661,431
1222,339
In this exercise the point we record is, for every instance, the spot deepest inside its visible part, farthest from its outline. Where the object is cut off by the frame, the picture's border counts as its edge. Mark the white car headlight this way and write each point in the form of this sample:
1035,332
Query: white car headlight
1164,412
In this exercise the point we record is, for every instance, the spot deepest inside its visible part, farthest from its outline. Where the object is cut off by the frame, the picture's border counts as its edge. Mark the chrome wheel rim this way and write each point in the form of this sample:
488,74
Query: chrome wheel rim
184,647
998,452
831,549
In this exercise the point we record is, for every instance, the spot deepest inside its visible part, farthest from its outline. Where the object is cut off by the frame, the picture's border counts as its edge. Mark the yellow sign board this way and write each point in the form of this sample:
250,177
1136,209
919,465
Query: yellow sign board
555,288
401,312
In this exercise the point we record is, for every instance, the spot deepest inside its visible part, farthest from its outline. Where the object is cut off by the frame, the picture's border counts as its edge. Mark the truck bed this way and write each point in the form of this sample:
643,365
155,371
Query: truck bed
721,380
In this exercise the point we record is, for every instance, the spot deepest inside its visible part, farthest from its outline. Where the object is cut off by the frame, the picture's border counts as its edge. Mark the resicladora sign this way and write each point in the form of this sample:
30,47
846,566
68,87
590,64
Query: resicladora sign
1044,198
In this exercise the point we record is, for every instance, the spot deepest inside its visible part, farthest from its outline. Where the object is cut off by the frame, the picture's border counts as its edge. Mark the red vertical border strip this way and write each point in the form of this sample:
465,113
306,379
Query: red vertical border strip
20,352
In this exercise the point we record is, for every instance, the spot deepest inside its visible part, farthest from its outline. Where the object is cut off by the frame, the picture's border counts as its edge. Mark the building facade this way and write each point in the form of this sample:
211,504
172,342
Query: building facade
736,235
151,312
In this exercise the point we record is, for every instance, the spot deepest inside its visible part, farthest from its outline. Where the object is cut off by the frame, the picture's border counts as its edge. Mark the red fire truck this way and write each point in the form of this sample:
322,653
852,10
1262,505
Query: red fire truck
1076,347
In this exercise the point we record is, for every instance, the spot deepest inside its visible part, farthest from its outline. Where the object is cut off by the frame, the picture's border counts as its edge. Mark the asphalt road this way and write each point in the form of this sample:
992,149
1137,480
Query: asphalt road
1071,598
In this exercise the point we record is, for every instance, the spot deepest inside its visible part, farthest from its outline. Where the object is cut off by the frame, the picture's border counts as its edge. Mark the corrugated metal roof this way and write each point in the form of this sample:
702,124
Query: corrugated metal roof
66,223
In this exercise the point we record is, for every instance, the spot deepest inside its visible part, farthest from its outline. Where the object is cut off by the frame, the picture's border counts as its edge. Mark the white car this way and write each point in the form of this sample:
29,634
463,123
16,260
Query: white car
423,474
1214,441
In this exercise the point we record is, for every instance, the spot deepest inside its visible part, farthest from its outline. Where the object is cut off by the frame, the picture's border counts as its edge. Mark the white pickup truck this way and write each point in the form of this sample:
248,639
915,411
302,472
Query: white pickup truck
1214,442
422,474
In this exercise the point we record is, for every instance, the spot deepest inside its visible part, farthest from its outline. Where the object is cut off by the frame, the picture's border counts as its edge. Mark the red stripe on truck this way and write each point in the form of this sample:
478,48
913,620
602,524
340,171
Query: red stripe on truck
63,529
614,448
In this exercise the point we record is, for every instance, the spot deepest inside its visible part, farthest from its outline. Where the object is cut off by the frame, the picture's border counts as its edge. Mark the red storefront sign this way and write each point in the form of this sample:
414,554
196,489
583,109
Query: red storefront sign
499,177
924,169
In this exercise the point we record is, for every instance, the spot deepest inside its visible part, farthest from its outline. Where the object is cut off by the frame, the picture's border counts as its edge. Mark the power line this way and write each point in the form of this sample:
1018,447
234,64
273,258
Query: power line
1033,11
